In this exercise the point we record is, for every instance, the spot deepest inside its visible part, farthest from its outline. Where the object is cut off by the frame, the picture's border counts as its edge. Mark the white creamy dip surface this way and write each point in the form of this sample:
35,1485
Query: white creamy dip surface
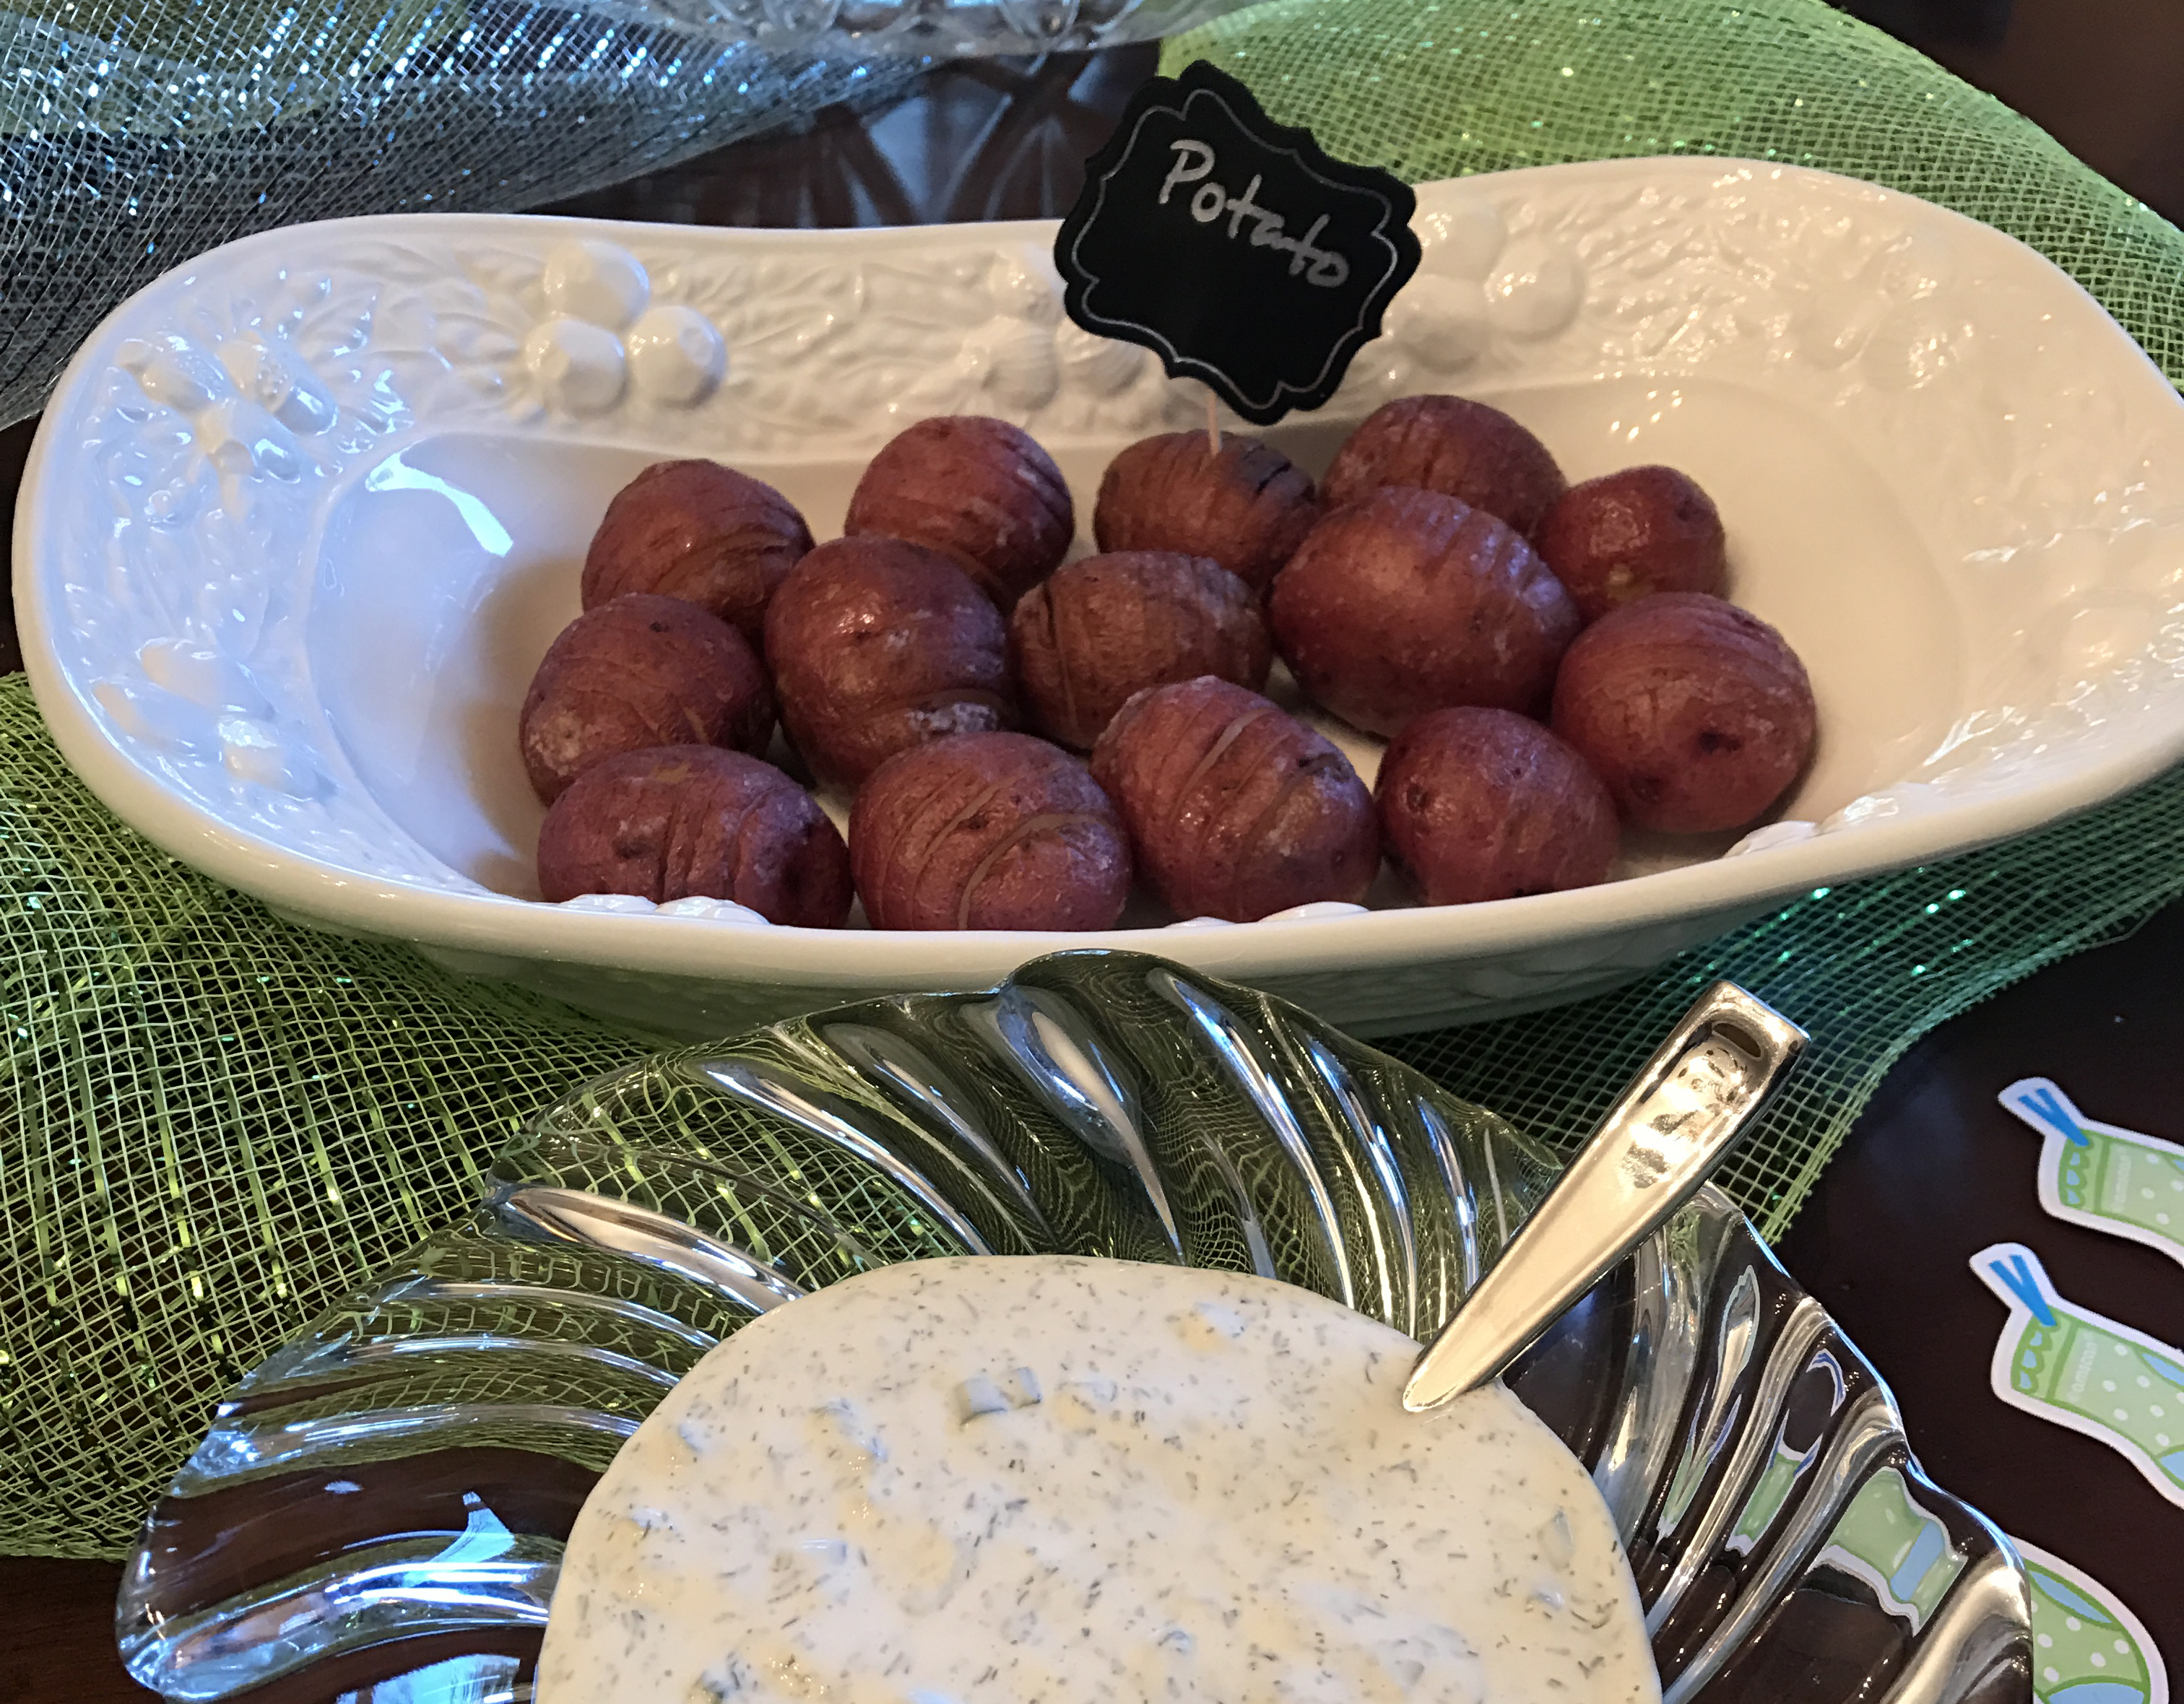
1049,1480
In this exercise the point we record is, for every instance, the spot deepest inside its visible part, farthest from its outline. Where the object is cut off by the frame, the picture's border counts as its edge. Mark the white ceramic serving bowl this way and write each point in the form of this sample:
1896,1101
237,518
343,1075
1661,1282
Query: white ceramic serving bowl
303,515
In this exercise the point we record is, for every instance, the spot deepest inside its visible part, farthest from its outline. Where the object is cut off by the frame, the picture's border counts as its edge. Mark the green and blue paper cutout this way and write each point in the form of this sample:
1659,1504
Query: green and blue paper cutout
2103,1176
2080,1369
1900,1551
2088,1648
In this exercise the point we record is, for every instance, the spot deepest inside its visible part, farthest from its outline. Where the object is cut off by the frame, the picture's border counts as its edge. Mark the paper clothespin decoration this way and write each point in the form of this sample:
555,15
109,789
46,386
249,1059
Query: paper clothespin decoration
2077,1368
2101,1176
2088,1648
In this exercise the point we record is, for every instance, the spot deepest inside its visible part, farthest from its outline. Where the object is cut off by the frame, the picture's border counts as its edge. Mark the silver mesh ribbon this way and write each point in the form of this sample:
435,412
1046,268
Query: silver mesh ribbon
140,132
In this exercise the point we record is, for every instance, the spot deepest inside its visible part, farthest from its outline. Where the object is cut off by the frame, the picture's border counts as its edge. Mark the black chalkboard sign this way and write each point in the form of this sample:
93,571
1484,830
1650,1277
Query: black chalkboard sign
1234,247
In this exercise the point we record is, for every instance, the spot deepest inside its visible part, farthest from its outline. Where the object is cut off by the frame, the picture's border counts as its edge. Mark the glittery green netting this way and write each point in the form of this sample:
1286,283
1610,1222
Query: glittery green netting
214,1123
1439,88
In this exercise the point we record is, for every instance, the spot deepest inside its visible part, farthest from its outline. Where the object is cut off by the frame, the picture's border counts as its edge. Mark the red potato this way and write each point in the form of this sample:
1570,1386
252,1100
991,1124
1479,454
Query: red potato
687,821
876,645
988,831
1409,601
1248,507
1233,809
1482,803
1454,446
640,671
1101,629
1696,714
702,532
1613,540
979,491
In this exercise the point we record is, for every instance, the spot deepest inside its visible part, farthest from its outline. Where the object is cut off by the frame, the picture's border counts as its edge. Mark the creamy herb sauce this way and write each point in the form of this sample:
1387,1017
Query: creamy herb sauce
1059,1481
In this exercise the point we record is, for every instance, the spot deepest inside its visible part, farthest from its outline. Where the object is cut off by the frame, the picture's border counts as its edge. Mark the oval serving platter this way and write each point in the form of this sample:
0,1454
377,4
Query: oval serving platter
378,1511
303,515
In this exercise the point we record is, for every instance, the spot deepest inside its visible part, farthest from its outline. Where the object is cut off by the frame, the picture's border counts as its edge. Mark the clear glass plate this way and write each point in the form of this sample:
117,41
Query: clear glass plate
378,1511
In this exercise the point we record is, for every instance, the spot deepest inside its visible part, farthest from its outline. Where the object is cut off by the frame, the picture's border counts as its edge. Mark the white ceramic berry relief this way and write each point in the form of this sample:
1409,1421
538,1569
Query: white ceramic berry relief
303,515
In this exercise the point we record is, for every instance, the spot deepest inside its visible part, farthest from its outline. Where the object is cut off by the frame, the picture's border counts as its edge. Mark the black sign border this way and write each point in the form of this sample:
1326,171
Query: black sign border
1173,95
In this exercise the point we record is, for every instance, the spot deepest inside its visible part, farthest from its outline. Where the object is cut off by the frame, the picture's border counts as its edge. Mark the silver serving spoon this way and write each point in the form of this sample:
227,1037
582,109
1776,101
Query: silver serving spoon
1691,1105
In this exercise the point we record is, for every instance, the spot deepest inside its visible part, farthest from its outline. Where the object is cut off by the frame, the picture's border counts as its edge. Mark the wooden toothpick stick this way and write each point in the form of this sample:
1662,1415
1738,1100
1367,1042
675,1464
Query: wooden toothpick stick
1212,424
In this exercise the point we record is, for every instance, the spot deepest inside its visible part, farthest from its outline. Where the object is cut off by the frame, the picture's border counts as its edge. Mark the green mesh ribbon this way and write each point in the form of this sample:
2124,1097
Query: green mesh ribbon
214,1123
1441,88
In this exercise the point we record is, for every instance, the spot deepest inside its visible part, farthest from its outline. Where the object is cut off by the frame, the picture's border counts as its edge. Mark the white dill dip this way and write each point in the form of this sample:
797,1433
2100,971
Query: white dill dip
1059,1481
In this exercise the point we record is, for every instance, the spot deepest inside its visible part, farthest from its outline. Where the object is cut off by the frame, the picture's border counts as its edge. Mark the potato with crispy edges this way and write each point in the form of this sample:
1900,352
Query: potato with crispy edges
988,831
1454,446
979,491
1102,628
700,532
640,671
1234,809
876,645
1696,714
683,822
1409,602
1247,505
1482,803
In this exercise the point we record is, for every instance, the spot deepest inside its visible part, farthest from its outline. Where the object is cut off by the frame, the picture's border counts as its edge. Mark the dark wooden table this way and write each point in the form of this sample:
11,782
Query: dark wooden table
1935,1170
